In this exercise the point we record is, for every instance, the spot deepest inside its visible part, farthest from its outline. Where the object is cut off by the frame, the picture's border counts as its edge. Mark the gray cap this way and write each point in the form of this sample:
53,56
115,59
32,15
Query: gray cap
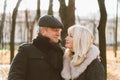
50,21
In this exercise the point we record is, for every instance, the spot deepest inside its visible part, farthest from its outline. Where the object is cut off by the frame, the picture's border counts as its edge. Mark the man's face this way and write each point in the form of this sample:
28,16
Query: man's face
54,34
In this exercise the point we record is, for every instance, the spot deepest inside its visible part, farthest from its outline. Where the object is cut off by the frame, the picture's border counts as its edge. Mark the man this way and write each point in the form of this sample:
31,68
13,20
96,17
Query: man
41,59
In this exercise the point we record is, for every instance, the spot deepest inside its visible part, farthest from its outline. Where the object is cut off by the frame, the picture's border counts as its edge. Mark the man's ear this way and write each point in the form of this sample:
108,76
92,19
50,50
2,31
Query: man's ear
43,31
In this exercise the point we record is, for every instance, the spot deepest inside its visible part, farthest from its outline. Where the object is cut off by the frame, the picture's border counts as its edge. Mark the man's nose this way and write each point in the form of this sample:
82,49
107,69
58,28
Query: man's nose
57,33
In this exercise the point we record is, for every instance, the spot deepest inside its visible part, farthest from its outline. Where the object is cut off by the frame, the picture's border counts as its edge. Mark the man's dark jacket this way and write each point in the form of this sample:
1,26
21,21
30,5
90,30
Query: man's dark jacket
40,60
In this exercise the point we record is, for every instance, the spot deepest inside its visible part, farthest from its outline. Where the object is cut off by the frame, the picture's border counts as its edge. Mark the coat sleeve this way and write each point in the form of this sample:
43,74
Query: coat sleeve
95,71
19,65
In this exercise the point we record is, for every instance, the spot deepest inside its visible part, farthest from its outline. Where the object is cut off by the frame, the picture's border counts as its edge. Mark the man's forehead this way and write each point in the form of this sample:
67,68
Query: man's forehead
54,28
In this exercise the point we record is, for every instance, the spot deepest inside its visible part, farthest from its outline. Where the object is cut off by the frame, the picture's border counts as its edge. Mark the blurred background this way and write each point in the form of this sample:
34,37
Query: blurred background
18,24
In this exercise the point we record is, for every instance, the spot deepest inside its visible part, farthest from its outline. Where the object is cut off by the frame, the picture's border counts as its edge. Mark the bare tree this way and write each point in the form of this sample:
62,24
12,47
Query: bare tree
101,30
34,20
2,22
67,15
38,10
12,36
50,10
115,31
27,24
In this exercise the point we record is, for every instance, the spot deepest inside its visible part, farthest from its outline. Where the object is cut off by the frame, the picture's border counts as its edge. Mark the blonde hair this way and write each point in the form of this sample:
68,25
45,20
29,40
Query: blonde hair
82,40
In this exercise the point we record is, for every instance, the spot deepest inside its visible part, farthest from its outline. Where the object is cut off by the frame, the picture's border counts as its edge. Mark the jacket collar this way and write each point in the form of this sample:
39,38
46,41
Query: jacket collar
43,43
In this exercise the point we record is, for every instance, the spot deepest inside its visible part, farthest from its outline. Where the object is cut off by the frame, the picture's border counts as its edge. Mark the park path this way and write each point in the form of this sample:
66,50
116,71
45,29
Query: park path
113,71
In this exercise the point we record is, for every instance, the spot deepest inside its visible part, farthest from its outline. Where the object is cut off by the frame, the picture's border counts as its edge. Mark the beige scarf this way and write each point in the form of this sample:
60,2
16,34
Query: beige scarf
72,72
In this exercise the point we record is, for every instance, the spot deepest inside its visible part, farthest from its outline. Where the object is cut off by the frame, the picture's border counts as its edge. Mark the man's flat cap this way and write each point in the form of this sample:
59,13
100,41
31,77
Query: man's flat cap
50,21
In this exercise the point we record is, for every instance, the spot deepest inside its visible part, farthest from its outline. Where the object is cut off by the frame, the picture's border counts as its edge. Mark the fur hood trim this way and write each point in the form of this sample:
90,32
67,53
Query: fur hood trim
72,72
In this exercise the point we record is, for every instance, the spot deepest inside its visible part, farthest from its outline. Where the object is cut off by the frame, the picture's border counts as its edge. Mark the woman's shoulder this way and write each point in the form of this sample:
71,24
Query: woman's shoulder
96,65
96,62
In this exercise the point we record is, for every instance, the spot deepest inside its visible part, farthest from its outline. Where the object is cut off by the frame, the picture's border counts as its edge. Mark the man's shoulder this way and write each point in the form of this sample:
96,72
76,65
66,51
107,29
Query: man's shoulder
28,47
25,45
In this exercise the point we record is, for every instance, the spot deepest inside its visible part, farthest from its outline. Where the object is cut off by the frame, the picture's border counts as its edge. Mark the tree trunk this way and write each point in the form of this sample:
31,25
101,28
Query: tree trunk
50,10
2,23
12,36
101,30
35,20
115,31
27,24
67,15
38,10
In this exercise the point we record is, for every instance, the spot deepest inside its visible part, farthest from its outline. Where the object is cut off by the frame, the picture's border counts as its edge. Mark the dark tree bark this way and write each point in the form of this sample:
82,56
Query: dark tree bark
115,31
2,23
35,20
38,10
101,30
27,24
67,15
12,36
50,10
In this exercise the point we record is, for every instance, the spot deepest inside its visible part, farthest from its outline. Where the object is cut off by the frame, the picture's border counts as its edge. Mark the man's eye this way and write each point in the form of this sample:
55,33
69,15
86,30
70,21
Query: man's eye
55,30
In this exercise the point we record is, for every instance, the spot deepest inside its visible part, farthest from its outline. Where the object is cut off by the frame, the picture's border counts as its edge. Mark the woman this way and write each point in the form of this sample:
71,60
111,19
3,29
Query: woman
81,58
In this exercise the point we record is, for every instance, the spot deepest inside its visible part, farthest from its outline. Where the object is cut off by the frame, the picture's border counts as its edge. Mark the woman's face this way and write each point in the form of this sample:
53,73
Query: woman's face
69,42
